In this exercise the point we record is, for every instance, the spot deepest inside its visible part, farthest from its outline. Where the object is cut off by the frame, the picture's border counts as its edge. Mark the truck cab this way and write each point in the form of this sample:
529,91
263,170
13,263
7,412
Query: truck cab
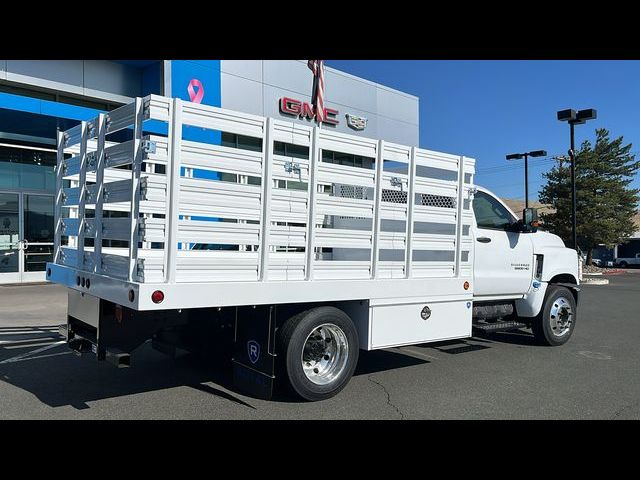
515,264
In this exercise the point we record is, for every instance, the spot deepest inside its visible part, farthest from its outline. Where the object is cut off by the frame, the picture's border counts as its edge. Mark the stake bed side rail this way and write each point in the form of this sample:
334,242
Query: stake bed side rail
281,206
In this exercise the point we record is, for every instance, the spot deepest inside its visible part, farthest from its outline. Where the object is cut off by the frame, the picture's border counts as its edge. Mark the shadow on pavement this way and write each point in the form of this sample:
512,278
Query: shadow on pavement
368,362
19,341
66,379
516,337
58,378
377,361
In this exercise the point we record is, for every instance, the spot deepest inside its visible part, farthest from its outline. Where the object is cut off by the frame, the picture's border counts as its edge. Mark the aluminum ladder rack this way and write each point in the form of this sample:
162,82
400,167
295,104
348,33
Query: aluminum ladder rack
288,213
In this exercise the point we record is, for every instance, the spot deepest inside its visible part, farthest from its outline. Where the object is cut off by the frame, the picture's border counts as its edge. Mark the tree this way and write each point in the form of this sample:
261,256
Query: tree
605,202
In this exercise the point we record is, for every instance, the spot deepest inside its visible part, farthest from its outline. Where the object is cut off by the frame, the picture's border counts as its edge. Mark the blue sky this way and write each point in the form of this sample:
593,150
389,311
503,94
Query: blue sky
487,109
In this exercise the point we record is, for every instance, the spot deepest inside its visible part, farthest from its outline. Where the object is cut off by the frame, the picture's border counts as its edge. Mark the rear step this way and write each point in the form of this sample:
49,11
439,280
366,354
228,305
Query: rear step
501,326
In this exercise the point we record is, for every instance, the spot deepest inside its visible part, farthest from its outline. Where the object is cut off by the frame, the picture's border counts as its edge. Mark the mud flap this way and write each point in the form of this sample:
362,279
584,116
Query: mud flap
254,351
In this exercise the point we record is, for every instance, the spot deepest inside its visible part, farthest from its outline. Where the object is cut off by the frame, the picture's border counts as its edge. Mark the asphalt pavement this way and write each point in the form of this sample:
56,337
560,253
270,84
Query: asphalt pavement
500,376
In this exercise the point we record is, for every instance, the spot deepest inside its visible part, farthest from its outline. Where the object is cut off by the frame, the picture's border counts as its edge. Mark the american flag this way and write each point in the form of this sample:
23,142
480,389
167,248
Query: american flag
317,96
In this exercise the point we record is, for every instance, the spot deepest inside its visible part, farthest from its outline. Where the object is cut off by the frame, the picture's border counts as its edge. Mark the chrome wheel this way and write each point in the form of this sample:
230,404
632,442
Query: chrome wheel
561,316
325,354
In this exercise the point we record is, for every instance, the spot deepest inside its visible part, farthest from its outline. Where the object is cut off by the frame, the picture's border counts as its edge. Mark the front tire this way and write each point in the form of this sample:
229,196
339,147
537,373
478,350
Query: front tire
320,352
556,321
623,265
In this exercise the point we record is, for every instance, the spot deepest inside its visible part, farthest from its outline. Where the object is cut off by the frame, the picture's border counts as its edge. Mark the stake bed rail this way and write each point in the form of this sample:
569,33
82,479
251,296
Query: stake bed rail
294,214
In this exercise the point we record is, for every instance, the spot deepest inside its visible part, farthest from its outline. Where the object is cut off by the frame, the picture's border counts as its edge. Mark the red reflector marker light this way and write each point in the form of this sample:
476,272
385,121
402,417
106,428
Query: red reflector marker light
157,296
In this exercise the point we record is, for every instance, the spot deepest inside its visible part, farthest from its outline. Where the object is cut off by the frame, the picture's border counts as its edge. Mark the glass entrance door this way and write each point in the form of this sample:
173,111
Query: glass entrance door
10,244
26,236
37,243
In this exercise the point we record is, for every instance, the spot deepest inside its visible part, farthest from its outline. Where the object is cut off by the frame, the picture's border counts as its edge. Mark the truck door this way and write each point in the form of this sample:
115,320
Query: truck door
503,260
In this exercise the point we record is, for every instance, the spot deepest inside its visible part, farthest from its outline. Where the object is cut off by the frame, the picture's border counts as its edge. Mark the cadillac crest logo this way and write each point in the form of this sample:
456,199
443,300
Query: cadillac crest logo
356,122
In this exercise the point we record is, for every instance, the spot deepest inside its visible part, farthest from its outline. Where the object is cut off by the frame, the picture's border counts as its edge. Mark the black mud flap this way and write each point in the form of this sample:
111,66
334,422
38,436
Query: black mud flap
254,351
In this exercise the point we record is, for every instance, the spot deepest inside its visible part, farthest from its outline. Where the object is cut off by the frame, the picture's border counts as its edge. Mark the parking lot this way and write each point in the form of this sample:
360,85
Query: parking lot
500,376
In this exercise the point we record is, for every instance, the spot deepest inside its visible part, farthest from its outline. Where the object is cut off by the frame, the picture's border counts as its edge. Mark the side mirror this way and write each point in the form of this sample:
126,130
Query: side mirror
530,222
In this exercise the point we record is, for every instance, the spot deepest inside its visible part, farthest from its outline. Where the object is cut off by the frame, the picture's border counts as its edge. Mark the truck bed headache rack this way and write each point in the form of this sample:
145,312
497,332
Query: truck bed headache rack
258,205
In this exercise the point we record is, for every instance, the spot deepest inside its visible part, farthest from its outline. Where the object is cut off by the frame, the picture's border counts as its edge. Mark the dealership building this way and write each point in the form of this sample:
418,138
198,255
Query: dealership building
38,97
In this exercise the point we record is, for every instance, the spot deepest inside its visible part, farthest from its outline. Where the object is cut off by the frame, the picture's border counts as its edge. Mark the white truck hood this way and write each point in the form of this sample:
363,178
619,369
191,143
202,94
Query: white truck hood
543,240
558,259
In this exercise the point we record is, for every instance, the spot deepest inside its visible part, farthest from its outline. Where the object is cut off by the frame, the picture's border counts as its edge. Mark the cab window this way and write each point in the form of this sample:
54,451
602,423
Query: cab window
490,213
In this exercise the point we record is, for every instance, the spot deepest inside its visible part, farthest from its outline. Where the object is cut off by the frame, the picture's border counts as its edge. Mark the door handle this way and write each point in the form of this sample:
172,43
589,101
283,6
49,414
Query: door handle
483,239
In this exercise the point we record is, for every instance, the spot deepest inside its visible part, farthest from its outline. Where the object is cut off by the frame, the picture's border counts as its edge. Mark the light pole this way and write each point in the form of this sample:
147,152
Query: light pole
526,155
575,118
561,159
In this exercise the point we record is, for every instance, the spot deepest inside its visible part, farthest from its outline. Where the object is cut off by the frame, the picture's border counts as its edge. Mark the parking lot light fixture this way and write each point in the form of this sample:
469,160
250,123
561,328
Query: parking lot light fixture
526,155
575,118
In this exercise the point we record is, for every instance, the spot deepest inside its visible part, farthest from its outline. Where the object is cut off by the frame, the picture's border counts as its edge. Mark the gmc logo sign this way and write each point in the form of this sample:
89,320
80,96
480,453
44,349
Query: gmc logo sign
290,106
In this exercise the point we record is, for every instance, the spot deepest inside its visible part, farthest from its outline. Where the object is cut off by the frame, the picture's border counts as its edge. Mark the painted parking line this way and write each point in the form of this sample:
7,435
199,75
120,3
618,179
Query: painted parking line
413,353
12,327
26,327
25,332
41,356
32,352
20,332
34,343
26,340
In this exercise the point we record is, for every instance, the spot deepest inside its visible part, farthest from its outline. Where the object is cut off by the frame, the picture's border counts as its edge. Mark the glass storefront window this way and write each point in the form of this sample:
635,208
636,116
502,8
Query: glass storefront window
27,169
38,218
9,232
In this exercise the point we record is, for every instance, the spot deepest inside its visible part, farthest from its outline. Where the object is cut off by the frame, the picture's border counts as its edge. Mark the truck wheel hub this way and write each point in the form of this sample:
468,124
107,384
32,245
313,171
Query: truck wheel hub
325,354
561,316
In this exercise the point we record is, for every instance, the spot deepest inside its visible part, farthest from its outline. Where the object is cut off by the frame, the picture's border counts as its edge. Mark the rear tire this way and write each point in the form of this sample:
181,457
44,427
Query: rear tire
556,321
319,352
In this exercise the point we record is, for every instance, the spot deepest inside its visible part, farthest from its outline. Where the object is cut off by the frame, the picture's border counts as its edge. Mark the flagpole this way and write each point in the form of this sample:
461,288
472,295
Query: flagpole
316,80
314,97
317,67
320,73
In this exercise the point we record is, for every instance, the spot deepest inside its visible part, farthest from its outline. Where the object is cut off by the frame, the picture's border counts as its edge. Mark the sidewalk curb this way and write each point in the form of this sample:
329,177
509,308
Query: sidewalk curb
594,281
615,272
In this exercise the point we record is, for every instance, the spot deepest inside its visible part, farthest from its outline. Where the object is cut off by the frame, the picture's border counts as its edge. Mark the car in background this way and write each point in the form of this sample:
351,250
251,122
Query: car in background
625,262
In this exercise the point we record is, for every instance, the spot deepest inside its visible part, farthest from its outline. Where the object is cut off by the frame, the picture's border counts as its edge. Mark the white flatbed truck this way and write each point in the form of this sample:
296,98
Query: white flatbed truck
288,248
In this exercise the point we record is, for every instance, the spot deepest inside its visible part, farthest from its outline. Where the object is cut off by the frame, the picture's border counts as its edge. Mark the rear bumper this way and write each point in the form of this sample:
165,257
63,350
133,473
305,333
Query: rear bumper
86,316
114,290
109,330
